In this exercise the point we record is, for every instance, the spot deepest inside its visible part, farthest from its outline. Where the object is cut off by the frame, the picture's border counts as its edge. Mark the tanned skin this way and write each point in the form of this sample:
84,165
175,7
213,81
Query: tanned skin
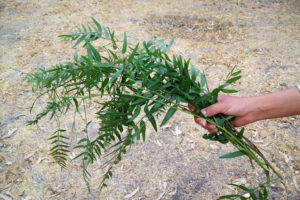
251,109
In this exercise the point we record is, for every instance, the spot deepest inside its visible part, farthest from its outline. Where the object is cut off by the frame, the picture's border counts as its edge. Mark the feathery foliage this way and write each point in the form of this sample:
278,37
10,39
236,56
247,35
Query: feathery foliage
141,82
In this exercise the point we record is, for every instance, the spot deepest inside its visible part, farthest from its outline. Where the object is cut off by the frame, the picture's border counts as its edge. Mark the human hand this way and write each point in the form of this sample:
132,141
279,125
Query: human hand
239,107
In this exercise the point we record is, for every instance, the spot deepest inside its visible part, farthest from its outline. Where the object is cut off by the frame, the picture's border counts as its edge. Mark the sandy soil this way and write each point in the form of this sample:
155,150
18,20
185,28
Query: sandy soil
261,37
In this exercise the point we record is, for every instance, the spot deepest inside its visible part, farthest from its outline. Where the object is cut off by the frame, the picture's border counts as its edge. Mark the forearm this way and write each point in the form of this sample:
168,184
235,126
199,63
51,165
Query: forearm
278,104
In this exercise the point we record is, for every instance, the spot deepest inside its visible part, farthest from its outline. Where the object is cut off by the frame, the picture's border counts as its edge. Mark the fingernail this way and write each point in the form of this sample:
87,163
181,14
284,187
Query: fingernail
211,126
204,112
203,122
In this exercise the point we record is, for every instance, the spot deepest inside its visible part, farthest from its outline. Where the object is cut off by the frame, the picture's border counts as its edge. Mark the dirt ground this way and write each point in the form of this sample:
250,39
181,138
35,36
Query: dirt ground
261,37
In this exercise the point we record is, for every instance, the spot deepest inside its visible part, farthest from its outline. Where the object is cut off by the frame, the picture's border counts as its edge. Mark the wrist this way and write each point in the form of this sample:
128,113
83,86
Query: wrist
259,108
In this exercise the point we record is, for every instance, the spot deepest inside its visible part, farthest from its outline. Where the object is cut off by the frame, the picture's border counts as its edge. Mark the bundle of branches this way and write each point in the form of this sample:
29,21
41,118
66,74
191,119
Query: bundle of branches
142,82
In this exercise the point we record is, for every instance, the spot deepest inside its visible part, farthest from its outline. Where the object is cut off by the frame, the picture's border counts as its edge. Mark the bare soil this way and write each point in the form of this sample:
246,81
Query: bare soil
261,37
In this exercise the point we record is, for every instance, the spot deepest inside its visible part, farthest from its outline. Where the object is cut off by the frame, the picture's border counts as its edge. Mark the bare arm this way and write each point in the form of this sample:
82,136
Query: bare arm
250,109
278,104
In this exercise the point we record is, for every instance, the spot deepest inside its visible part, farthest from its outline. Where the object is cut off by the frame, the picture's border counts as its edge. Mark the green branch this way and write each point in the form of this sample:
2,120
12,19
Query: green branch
131,78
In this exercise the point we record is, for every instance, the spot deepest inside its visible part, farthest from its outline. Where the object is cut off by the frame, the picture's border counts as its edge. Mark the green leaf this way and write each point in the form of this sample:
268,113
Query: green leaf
114,55
65,150
106,32
80,147
240,134
133,52
222,86
54,147
253,195
101,144
124,44
52,137
260,196
234,79
229,91
117,74
150,117
104,84
83,27
75,55
236,73
194,72
98,150
233,154
203,80
180,64
89,54
136,132
88,61
118,135
65,35
109,173
82,38
156,105
76,103
138,101
242,187
160,44
112,38
97,24
135,114
168,47
265,194
63,136
79,155
229,196
143,130
169,114
90,29
83,140
96,54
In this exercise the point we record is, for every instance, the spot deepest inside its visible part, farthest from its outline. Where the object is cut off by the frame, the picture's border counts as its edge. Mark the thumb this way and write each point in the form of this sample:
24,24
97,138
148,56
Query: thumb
213,109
